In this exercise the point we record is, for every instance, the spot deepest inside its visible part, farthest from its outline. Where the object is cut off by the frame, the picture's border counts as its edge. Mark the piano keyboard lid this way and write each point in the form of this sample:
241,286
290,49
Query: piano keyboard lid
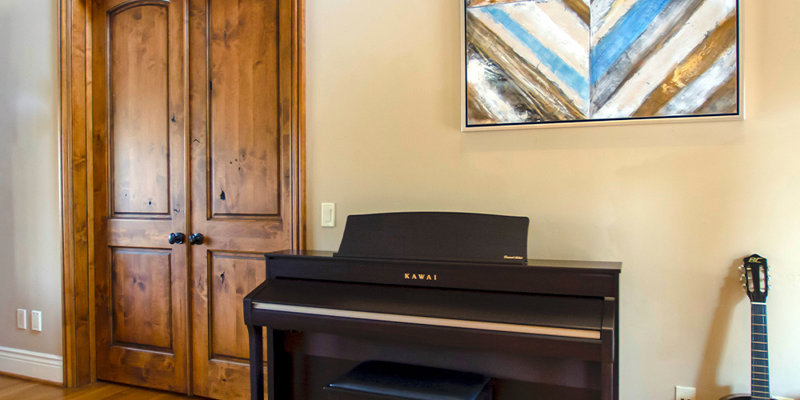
576,317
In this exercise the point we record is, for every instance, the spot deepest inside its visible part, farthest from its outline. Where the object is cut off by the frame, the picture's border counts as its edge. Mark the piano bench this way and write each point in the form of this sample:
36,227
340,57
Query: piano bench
386,380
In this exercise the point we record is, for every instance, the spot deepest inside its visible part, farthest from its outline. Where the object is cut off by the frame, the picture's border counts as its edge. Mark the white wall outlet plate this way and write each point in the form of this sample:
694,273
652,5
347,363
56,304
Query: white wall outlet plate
36,320
685,393
22,318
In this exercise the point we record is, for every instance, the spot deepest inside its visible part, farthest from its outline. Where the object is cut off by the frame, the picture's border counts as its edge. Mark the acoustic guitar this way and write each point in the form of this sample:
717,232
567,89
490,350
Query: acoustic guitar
754,275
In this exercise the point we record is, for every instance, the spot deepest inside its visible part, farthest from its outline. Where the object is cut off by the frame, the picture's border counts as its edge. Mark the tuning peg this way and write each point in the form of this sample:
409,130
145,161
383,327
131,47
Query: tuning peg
741,267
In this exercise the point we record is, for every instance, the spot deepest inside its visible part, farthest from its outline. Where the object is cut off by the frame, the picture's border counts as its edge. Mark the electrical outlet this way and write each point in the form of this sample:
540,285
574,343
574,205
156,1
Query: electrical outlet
685,393
22,318
36,320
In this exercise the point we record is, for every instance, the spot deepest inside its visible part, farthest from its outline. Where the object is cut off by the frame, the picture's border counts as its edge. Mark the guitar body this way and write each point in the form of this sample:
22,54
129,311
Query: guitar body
738,397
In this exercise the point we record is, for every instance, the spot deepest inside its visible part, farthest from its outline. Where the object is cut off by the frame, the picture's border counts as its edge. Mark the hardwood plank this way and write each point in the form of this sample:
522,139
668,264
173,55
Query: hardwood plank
6,381
14,388
13,391
96,391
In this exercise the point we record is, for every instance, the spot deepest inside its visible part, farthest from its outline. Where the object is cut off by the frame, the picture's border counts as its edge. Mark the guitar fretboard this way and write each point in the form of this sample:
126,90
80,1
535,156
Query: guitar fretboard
759,360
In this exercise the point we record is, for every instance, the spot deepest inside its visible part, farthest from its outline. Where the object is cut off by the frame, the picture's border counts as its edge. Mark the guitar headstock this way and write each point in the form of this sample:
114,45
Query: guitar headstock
754,275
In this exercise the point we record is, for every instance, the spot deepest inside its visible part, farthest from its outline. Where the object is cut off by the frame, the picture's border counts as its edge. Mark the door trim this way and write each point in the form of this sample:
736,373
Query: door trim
75,170
76,188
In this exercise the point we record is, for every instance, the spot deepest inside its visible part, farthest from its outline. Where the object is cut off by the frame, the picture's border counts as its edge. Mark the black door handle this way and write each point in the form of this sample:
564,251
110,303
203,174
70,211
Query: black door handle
196,238
176,238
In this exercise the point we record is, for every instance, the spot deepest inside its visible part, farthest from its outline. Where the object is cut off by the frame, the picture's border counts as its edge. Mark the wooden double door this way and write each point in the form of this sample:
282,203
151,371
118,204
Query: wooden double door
195,175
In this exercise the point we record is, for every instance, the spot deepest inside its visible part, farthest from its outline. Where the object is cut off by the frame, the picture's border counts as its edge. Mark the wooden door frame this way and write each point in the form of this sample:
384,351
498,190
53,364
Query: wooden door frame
77,209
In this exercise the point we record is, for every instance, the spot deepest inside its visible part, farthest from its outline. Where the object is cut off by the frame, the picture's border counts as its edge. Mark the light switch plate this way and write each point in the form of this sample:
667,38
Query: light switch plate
328,215
685,393
36,320
22,318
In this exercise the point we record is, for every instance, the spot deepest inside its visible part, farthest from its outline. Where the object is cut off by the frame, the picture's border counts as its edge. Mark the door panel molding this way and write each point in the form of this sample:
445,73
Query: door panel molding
230,272
138,33
140,325
239,67
124,5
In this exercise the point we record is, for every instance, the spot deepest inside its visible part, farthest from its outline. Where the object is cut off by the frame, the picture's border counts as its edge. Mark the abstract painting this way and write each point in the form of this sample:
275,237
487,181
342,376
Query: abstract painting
532,62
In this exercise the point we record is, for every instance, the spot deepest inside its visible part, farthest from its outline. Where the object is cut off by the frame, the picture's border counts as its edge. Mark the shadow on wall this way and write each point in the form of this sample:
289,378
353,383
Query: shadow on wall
730,294
8,140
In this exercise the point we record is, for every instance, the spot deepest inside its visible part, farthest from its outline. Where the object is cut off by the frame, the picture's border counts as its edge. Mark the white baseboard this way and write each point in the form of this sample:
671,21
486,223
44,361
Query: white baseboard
42,366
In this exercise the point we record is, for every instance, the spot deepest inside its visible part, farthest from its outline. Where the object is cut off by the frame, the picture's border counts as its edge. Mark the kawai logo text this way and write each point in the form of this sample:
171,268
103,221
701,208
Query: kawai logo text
420,277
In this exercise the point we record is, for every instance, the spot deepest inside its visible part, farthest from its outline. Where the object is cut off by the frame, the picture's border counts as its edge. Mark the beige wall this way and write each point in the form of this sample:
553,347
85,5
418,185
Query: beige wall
678,203
30,233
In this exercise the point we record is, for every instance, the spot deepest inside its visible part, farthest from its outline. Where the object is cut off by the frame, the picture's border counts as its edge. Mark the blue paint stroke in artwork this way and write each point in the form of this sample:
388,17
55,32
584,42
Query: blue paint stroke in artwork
622,35
564,72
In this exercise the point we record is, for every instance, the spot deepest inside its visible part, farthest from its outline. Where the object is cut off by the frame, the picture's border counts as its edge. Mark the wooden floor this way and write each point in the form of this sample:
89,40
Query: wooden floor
18,389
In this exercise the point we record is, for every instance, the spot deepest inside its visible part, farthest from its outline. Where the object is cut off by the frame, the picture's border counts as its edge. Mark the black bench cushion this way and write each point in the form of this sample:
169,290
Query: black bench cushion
402,381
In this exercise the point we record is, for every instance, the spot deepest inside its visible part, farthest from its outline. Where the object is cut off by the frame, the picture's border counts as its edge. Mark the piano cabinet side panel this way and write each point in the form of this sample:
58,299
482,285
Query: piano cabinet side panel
609,354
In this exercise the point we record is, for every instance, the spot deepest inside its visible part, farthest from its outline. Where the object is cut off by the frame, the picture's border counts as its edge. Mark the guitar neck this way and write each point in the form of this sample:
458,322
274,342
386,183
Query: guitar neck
759,356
